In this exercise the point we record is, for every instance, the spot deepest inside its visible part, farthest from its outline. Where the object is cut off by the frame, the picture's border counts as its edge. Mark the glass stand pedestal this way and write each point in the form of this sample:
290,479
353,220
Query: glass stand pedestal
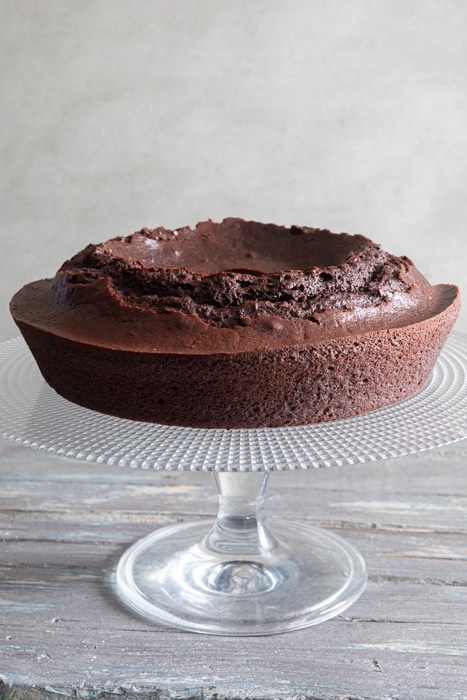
238,575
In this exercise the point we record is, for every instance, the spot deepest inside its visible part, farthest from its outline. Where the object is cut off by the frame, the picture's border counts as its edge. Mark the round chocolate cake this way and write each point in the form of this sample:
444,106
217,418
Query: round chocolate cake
235,325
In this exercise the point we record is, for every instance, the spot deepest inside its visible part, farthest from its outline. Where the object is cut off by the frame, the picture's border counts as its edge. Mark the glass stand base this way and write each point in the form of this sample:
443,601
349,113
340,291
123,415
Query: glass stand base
173,576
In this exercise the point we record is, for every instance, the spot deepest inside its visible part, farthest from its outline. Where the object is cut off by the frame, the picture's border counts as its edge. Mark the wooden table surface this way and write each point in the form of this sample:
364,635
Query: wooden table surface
63,633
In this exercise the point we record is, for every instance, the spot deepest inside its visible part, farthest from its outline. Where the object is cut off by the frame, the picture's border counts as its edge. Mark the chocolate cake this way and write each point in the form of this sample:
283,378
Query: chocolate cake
235,324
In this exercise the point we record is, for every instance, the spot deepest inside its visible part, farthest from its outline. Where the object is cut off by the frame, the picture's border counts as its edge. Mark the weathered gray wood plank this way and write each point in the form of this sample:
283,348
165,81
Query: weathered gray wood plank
63,632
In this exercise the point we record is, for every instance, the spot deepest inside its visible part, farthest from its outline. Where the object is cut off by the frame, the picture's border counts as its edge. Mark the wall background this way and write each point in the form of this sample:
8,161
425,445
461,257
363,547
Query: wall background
344,114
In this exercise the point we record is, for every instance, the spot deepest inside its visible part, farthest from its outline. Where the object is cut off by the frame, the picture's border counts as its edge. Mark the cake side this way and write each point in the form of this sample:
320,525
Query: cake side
271,387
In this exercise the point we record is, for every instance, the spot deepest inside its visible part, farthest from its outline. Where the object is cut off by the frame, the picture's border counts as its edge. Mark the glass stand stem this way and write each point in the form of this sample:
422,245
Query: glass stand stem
241,523
240,542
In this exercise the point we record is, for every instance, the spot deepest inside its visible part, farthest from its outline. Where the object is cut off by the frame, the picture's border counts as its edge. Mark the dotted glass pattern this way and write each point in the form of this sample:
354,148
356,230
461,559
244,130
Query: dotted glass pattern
33,415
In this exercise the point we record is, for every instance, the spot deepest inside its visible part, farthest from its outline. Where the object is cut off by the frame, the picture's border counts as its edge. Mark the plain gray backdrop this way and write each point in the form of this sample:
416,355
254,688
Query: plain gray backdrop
349,115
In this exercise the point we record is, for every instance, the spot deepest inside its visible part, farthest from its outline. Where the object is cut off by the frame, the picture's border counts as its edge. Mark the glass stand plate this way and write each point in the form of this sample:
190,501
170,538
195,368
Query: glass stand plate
236,575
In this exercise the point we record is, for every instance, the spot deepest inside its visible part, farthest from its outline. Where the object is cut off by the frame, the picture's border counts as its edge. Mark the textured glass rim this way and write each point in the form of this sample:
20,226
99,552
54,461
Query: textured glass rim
33,415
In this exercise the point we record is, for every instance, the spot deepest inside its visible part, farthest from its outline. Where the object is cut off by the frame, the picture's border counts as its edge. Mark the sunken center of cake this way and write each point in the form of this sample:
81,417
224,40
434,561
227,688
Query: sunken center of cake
230,273
237,246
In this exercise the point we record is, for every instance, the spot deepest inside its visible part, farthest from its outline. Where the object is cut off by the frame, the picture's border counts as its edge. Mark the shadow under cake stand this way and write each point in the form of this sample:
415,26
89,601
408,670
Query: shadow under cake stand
236,575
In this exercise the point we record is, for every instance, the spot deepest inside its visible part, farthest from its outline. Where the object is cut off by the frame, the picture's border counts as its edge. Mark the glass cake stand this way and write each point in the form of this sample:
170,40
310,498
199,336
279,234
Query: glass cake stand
236,575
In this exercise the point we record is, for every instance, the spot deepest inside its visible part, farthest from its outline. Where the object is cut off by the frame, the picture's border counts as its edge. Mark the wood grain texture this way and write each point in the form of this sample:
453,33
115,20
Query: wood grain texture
63,632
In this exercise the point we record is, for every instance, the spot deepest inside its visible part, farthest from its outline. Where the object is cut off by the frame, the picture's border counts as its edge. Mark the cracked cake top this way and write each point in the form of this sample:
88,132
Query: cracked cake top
229,287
